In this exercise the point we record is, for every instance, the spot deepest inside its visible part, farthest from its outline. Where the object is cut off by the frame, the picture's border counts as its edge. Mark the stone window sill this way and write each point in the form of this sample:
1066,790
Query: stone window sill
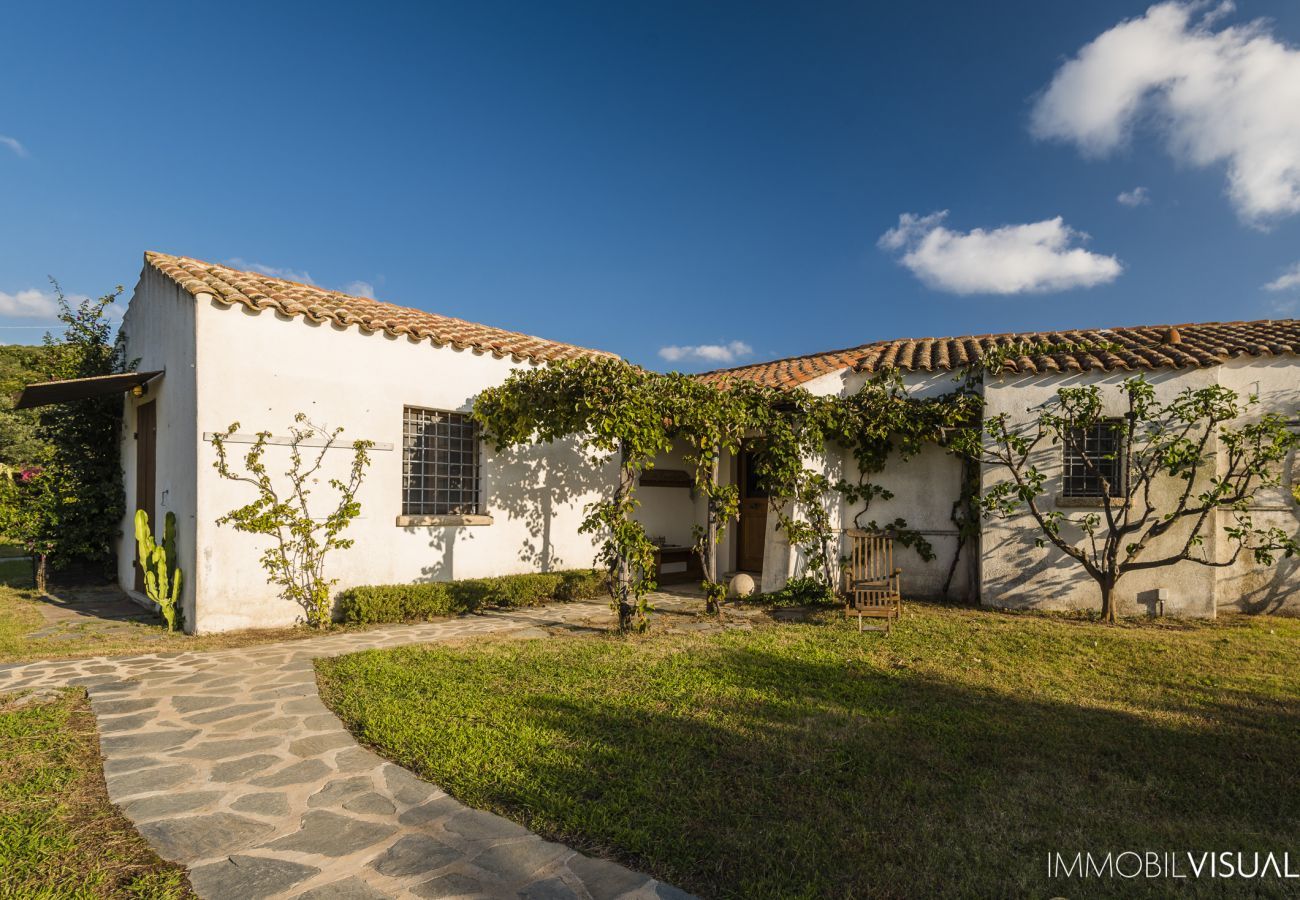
1064,502
416,521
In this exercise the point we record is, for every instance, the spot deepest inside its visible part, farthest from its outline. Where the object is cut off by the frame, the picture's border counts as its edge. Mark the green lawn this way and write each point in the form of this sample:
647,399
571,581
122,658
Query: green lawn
810,761
59,835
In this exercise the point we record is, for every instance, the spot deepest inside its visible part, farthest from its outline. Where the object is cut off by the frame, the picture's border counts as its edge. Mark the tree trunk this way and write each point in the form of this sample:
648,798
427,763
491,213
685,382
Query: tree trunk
952,568
1107,585
709,552
623,585
38,572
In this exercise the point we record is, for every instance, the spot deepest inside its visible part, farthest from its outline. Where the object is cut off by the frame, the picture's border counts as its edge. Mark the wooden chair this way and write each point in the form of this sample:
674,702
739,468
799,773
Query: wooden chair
871,583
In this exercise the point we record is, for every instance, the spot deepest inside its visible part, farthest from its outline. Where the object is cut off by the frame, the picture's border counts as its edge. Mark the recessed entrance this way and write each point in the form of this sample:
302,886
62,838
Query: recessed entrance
751,530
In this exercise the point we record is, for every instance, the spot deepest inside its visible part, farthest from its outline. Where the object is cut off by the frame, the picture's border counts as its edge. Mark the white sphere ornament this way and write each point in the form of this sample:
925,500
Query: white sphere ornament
741,585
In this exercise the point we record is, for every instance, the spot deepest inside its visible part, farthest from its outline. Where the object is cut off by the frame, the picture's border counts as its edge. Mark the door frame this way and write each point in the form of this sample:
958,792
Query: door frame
146,474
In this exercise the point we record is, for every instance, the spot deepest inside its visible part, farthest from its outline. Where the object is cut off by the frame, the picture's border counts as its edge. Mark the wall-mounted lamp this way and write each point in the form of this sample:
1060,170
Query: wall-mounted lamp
137,390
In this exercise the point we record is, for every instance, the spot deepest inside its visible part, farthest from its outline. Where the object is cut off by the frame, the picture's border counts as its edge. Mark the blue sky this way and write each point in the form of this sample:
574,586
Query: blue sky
641,176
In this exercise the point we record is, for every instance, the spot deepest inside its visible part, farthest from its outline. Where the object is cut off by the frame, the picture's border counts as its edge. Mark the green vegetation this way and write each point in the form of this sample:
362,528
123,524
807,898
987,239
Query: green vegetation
65,504
20,615
618,411
301,538
430,600
162,573
801,591
20,365
1209,448
809,761
59,835
80,499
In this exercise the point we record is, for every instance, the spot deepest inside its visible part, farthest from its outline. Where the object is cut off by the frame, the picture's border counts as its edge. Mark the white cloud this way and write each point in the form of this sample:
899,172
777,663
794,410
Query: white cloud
360,289
13,144
711,353
37,304
1139,196
1230,96
1011,259
29,304
273,271
355,288
1286,281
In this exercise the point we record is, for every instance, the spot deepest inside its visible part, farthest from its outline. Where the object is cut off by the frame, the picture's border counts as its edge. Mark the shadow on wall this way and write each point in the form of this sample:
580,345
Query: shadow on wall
526,485
442,541
1037,576
529,485
1277,594
1040,577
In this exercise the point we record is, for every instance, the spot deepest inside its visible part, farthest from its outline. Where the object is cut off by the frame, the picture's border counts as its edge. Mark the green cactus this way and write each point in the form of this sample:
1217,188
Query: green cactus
162,575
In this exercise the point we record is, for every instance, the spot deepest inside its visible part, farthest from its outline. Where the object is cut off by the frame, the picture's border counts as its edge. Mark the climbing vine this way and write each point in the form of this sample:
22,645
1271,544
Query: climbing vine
710,422
618,412
622,413
281,510
872,424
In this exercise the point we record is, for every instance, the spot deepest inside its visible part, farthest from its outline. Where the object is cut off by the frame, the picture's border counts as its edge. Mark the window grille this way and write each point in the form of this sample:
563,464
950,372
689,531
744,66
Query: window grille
440,463
1094,452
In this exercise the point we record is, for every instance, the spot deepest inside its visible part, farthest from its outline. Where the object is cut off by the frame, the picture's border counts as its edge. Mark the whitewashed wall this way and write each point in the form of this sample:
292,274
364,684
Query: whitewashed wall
1249,586
925,488
227,364
1007,568
260,369
1016,573
158,328
670,512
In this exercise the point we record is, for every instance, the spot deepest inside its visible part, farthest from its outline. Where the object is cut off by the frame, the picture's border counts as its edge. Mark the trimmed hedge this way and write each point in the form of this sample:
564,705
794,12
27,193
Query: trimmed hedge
371,604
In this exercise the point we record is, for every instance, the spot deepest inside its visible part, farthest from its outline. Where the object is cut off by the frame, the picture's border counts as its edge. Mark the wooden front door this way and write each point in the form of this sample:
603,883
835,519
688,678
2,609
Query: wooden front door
146,471
751,531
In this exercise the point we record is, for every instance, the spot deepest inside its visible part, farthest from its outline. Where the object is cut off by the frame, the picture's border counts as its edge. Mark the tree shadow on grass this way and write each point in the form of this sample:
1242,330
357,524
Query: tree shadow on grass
800,778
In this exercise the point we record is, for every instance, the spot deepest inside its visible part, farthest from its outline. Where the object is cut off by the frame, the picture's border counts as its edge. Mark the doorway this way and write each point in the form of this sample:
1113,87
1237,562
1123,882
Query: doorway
751,530
146,473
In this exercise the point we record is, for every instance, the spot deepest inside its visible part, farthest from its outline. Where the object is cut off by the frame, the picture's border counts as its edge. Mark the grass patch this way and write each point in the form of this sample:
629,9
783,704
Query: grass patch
20,615
59,835
810,761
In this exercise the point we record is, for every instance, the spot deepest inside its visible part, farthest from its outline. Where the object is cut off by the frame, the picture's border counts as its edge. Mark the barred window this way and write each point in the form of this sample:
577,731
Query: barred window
1095,452
440,463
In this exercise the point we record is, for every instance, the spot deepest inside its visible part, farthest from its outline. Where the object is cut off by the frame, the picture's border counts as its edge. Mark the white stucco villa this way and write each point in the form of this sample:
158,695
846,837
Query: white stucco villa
230,346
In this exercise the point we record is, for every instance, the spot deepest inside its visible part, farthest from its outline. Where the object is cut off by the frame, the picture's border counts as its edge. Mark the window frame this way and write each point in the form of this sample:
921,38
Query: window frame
1075,477
442,453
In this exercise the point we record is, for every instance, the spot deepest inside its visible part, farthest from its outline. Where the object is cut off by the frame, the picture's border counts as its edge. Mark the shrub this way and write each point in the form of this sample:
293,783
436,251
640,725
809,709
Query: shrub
371,604
805,591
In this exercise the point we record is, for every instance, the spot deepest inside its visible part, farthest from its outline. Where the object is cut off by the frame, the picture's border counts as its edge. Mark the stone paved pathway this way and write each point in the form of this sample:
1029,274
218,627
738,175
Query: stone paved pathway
72,613
228,763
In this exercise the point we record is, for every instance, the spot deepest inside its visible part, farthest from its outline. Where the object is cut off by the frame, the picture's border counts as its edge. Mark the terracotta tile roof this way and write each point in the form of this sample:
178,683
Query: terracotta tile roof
791,371
291,298
1107,349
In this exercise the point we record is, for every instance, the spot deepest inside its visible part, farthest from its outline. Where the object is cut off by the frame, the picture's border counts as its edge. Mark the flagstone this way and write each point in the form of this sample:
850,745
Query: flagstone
229,762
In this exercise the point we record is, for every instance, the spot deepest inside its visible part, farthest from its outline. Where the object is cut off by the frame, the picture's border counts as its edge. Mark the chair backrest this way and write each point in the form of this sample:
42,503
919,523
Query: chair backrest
871,557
